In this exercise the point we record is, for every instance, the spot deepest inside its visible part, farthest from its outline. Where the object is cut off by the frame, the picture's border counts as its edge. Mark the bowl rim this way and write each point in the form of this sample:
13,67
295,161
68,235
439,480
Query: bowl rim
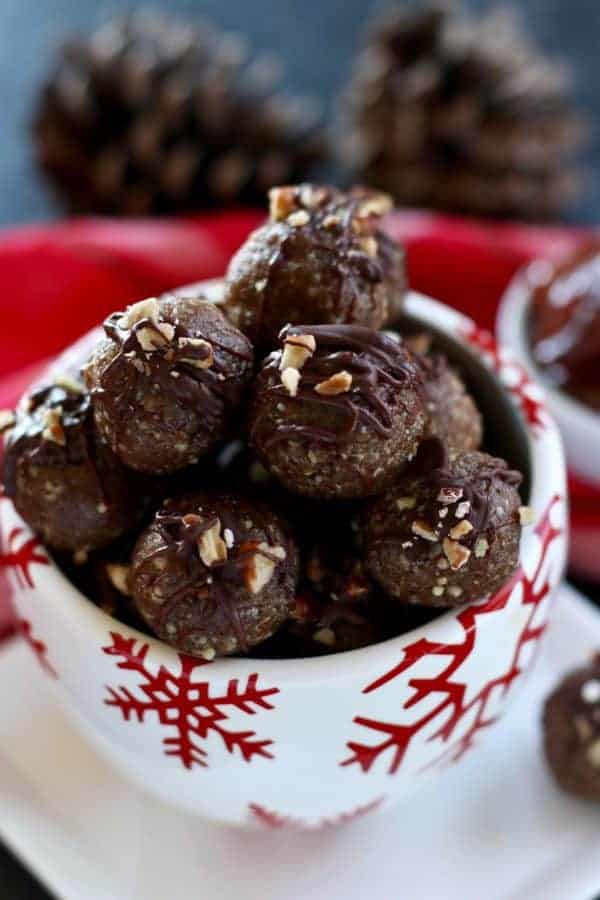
539,447
511,327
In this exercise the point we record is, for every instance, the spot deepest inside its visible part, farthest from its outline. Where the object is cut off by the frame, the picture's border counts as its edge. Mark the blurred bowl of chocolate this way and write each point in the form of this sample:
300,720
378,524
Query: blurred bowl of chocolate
278,738
550,318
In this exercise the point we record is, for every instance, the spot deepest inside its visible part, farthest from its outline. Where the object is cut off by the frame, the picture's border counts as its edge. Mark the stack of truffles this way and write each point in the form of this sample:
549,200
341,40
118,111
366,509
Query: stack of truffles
274,473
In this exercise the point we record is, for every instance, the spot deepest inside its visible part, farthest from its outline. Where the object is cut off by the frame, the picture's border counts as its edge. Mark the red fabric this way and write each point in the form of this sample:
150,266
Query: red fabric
59,280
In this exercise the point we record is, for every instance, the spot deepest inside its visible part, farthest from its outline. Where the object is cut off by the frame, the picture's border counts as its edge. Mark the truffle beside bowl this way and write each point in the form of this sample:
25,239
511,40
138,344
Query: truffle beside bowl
579,425
313,742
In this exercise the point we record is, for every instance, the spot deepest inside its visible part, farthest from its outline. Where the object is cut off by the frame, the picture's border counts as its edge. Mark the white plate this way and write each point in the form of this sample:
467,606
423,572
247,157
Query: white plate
495,827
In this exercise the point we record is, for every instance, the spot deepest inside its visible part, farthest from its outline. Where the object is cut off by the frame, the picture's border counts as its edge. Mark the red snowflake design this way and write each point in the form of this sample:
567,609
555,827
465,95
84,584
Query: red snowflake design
40,649
453,703
533,409
21,555
186,706
270,819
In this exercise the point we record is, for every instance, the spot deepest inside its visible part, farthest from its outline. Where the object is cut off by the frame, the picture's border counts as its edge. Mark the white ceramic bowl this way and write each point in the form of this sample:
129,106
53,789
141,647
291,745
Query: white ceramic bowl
312,742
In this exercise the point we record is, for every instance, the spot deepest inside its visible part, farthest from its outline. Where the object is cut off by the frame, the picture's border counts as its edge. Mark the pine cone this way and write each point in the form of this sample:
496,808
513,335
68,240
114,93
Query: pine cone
151,115
463,115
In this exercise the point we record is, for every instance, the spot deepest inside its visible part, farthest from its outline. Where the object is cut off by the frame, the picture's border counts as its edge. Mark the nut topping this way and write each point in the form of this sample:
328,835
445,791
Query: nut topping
203,361
457,555
461,530
526,515
261,567
590,691
145,309
312,197
211,546
481,548
378,205
462,509
67,383
155,337
119,577
282,201
369,245
593,754
53,430
290,378
331,221
339,383
325,636
297,348
423,530
296,219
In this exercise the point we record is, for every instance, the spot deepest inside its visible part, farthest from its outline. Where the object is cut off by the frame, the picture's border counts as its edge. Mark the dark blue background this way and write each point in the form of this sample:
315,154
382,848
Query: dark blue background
317,38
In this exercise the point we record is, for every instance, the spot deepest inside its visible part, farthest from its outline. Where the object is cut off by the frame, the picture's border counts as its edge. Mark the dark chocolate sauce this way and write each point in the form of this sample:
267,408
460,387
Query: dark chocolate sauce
433,465
215,588
26,436
192,388
380,368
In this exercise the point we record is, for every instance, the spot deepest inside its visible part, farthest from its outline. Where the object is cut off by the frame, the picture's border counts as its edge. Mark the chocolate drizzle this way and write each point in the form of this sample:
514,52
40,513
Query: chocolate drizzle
381,368
167,383
335,226
196,384
27,436
337,258
439,472
183,578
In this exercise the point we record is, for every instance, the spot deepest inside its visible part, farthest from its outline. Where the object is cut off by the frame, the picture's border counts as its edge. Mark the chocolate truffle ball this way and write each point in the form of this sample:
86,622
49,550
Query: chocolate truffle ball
336,572
447,534
319,624
168,381
339,607
335,608
64,480
453,414
572,732
214,573
337,411
321,258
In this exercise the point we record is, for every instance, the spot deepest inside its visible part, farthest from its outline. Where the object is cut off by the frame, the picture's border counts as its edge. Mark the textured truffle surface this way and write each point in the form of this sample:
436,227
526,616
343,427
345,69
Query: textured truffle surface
168,381
446,534
337,411
64,480
453,416
572,732
321,258
214,574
